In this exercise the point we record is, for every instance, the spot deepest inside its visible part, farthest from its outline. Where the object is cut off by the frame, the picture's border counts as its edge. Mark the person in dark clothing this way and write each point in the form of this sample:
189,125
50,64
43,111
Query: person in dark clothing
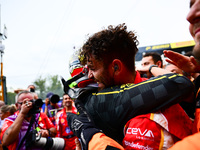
110,56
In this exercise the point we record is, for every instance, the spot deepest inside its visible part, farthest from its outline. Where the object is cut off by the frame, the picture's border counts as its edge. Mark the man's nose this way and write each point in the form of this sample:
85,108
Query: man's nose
194,13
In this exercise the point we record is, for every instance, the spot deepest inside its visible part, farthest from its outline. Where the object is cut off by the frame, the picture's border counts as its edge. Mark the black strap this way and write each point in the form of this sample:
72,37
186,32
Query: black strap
5,148
111,148
29,127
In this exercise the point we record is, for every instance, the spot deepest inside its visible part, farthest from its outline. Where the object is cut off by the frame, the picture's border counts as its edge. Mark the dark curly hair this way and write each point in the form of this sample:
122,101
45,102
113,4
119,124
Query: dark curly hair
112,43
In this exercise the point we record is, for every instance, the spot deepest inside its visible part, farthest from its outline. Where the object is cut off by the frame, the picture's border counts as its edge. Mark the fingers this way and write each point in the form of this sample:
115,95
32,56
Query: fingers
171,62
172,55
27,103
196,64
78,144
193,60
44,133
166,52
26,106
169,52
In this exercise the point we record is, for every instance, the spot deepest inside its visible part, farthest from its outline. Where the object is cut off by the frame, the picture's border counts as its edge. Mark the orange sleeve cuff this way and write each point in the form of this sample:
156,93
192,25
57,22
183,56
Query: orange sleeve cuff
101,141
190,142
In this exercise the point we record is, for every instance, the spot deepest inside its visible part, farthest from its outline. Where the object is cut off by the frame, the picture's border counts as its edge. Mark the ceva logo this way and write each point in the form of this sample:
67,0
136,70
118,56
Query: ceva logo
137,131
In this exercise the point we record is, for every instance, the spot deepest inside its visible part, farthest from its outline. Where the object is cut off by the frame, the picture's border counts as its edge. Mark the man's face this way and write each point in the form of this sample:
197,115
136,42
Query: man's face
146,61
67,101
31,87
99,73
22,97
194,19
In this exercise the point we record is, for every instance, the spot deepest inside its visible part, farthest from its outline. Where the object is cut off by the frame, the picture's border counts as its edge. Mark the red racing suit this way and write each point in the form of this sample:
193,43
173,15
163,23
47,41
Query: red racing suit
157,130
63,129
44,122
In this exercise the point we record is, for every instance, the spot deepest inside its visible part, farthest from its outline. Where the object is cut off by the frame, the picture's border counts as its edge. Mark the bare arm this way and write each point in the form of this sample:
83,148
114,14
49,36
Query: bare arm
155,71
46,106
12,133
188,64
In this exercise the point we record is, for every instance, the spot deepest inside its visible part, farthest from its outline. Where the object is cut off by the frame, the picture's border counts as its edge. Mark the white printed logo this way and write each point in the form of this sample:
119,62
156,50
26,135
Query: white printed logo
77,124
137,145
137,131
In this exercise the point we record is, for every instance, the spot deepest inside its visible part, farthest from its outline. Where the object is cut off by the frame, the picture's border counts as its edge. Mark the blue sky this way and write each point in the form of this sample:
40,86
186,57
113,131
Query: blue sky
42,33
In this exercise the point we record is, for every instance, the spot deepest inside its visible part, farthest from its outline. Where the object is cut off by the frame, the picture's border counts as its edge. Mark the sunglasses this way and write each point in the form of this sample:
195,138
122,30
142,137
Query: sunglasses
20,103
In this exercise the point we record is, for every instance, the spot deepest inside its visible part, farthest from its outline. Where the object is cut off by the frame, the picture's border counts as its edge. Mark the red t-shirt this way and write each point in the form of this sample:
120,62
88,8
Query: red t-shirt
44,122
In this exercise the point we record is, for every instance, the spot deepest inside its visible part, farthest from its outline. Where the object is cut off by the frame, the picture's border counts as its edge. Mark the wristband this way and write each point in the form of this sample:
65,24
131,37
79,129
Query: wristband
151,68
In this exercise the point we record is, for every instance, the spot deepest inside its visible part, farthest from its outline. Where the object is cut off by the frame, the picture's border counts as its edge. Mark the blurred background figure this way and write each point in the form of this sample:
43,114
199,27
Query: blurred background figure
31,88
52,106
5,111
148,59
1,120
62,126
152,58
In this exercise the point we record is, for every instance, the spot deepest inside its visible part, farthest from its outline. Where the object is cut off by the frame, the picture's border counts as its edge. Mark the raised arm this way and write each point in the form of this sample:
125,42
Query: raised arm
155,71
46,106
187,64
12,132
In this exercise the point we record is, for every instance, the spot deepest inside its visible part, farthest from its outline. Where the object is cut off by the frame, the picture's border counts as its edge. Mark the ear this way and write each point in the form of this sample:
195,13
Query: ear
116,66
159,64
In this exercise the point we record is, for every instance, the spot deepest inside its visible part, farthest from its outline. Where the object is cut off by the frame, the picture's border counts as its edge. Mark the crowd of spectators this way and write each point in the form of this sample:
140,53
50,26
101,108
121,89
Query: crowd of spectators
31,116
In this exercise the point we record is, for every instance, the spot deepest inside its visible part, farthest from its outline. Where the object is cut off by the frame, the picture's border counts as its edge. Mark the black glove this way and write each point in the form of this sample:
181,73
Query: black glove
82,124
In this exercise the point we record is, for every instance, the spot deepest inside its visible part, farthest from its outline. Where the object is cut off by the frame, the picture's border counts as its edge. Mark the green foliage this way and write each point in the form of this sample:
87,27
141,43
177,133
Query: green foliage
10,98
40,85
48,84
